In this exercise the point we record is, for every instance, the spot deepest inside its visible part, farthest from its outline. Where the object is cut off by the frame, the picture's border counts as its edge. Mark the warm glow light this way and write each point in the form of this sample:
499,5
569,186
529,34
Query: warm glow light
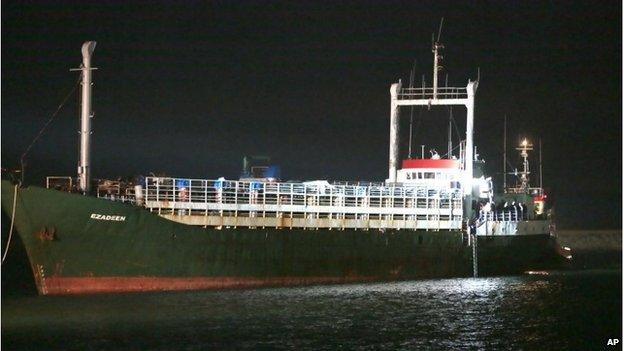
524,142
537,273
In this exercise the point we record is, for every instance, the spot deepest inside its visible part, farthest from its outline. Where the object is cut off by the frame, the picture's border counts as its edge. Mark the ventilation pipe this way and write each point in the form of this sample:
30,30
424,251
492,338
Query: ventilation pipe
84,167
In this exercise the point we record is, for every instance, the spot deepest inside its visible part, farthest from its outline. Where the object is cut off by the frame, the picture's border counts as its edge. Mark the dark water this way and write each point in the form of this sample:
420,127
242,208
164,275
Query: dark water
562,311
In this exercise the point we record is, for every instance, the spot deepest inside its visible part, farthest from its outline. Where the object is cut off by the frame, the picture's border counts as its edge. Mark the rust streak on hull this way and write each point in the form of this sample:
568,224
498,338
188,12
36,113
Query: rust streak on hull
91,285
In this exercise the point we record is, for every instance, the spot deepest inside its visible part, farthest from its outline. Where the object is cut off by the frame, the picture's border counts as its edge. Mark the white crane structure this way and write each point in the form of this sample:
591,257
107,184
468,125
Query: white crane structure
434,96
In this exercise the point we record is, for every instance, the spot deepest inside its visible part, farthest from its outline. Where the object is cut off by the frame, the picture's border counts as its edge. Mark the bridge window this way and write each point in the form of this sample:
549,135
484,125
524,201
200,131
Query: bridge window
429,175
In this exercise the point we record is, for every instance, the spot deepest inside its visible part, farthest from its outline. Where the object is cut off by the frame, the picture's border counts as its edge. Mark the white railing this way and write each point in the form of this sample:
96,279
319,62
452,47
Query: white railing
416,206
511,222
521,190
511,215
125,197
427,93
63,183
500,222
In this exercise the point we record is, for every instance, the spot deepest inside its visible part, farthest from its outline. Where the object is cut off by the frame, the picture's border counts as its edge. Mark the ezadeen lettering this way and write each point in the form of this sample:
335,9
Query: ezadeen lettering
102,217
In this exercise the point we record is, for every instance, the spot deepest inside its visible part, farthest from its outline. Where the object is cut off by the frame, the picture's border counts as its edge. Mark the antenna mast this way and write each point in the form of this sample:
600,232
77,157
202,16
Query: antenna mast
450,140
411,131
436,46
540,161
525,146
505,155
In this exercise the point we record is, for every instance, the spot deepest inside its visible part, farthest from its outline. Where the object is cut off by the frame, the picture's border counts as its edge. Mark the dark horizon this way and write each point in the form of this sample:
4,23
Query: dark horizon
189,89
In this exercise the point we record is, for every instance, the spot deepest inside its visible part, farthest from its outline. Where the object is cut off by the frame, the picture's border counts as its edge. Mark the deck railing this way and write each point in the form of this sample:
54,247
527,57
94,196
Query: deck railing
521,190
427,93
511,215
63,183
320,204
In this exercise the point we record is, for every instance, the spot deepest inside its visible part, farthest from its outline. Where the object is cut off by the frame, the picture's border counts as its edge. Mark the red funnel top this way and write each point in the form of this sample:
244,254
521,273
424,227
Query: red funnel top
430,163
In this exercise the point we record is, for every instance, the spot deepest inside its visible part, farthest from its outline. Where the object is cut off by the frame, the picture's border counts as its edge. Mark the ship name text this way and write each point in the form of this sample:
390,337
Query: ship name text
102,217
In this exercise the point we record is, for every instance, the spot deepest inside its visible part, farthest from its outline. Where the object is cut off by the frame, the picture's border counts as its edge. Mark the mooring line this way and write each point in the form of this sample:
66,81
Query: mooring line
6,249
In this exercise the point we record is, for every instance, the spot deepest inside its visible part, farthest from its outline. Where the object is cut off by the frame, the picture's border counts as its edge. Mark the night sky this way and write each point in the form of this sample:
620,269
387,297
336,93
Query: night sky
188,89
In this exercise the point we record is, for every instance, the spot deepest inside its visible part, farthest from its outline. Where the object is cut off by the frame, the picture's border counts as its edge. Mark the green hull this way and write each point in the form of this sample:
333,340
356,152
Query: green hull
81,244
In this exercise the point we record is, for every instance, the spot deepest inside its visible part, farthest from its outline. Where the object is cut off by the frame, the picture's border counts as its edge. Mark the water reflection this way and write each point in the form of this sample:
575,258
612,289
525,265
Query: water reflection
523,312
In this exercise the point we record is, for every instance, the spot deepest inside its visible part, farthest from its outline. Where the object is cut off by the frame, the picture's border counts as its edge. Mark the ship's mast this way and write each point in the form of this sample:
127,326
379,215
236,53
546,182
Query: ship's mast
540,164
84,166
411,130
437,57
505,155
449,153
525,146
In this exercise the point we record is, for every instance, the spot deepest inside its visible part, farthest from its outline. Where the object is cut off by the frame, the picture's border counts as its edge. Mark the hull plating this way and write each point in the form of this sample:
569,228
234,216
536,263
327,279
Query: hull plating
93,285
77,244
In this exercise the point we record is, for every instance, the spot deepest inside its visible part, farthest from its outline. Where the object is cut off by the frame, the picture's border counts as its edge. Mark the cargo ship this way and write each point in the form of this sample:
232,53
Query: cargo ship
432,217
